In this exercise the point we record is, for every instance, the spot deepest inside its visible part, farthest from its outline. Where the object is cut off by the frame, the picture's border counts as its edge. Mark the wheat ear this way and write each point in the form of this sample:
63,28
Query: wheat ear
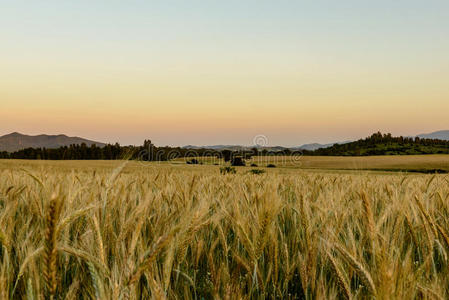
342,282
50,248
359,269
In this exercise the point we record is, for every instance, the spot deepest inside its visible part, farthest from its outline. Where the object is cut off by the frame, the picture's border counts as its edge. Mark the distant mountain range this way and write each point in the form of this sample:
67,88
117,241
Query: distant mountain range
309,147
234,147
17,141
312,146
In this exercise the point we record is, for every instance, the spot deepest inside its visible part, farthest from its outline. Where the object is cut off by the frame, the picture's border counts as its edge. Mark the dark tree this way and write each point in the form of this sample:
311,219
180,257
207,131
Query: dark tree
237,161
226,154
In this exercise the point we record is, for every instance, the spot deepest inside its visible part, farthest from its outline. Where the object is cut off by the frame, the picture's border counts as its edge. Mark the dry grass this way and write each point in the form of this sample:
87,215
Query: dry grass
161,231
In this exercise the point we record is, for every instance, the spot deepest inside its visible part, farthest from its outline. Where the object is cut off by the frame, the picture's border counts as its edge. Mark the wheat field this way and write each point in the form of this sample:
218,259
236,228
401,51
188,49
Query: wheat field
113,230
351,163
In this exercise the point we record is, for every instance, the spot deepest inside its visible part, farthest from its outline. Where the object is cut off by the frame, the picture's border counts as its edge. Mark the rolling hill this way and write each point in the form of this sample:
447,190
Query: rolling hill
16,141
386,144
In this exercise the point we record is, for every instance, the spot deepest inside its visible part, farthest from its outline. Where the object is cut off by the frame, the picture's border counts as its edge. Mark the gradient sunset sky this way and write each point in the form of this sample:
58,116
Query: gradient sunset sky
222,72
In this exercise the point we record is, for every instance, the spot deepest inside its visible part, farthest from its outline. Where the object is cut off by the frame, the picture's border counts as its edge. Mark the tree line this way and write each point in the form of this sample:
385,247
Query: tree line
146,152
376,144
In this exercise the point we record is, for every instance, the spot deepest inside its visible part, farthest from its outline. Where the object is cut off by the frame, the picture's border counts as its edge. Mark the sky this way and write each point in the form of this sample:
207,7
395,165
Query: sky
224,72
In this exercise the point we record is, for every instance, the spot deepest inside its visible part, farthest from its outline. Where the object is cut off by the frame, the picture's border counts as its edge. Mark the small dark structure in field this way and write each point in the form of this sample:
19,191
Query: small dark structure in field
253,165
271,166
193,161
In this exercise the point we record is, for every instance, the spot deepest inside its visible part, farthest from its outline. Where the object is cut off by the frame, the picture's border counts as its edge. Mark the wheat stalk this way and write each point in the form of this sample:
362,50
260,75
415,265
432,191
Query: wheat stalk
369,220
149,257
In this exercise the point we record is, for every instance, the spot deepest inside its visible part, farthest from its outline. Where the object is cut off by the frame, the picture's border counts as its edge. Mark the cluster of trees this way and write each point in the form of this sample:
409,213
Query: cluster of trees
385,144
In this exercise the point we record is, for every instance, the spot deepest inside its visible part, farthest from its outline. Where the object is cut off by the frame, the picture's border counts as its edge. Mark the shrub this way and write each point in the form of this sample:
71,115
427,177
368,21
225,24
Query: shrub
256,171
253,165
227,170
271,166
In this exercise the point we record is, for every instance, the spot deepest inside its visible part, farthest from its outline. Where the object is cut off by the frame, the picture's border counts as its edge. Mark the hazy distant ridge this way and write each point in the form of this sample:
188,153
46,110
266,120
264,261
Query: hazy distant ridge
440,135
17,141
309,147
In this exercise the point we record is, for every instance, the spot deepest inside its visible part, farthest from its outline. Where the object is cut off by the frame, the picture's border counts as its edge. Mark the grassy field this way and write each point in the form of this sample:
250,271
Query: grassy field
132,230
